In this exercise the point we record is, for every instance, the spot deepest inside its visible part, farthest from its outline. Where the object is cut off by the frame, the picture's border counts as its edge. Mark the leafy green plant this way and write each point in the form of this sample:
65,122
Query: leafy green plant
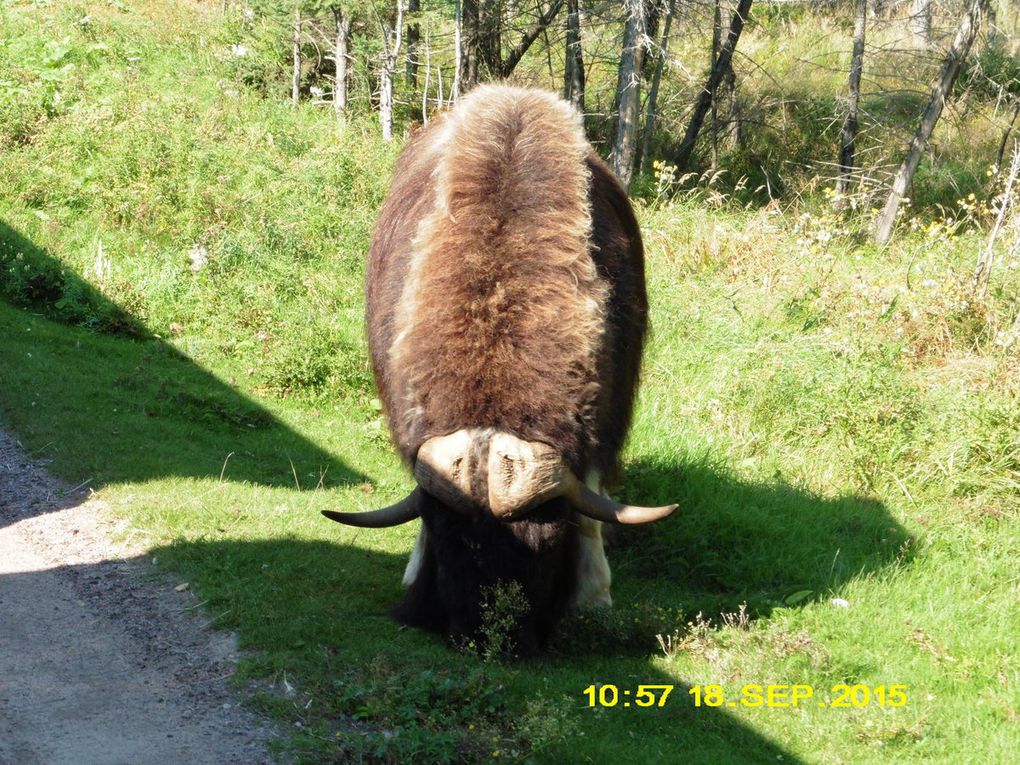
503,606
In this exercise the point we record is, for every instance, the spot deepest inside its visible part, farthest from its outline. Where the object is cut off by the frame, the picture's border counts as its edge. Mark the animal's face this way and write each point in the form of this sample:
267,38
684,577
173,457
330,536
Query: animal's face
501,519
502,584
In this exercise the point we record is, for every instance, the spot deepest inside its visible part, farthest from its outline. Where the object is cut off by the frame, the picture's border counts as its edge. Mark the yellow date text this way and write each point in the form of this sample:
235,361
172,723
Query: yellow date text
751,696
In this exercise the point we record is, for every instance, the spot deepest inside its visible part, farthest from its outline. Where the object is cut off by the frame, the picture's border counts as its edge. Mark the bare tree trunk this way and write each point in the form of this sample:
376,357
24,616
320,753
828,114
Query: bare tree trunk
490,36
295,82
391,53
920,23
987,256
573,75
425,87
707,95
848,136
653,14
1005,137
469,42
735,118
413,38
340,53
628,92
458,51
386,101
478,37
965,34
716,45
651,105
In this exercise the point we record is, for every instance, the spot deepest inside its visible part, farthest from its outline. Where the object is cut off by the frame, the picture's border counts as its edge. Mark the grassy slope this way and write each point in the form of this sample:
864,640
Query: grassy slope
833,427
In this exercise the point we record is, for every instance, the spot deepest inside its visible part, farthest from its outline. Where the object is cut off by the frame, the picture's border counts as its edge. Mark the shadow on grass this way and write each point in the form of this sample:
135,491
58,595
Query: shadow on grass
316,613
91,390
766,544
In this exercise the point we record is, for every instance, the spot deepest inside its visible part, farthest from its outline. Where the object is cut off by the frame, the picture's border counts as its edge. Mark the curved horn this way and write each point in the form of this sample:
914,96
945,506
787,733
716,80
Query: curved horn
587,502
403,511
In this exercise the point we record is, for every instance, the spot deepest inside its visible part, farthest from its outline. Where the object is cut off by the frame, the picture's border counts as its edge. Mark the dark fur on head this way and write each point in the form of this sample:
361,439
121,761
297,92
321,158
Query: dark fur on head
466,558
505,290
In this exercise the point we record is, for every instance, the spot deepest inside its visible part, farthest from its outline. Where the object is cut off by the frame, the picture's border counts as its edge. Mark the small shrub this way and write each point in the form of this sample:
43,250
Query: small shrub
503,606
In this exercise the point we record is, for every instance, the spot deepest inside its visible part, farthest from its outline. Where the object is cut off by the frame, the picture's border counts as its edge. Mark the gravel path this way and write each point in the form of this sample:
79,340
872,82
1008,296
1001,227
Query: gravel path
99,666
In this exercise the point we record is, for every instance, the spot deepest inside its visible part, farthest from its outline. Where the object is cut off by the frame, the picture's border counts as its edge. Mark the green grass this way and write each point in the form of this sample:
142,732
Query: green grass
837,421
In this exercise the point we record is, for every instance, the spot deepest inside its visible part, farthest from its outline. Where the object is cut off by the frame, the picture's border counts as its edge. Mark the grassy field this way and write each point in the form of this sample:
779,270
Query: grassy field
181,265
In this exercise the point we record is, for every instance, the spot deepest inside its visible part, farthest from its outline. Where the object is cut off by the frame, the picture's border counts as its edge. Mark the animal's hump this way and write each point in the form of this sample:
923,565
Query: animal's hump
521,151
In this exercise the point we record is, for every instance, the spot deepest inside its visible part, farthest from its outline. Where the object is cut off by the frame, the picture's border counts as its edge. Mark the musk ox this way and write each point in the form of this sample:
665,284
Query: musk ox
506,314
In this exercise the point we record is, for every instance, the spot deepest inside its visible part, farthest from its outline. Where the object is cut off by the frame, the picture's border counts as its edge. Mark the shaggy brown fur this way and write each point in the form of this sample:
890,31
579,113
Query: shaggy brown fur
489,305
505,290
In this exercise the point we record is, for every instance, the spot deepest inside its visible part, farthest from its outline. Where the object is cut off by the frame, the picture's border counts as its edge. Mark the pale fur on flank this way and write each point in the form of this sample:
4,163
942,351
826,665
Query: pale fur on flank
414,563
594,578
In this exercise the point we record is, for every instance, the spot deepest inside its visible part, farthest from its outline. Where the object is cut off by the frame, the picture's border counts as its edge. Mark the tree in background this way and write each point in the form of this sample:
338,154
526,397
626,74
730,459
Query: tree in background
707,94
716,45
651,103
573,68
628,92
413,40
920,23
490,37
392,37
966,32
469,23
610,58
295,90
848,135
341,53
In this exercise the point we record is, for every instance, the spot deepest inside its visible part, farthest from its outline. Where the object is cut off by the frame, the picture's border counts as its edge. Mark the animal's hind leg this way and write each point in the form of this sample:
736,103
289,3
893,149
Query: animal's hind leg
414,563
593,575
